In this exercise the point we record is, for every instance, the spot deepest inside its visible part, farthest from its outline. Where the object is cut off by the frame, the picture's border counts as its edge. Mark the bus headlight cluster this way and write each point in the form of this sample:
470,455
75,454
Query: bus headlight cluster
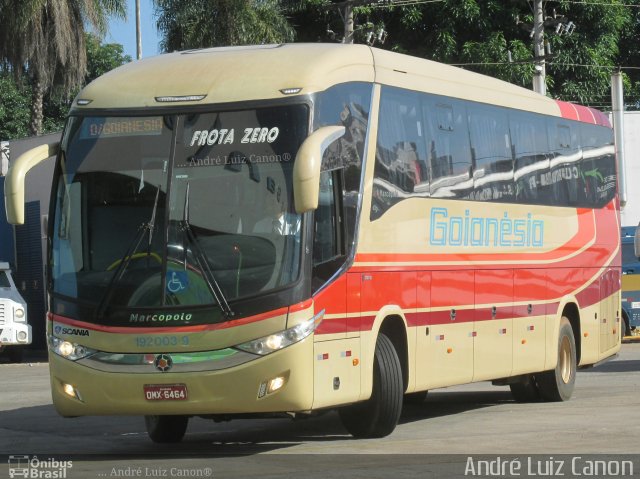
69,350
274,342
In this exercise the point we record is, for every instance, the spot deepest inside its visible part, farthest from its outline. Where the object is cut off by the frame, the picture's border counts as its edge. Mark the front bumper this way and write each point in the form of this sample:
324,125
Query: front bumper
233,390
15,334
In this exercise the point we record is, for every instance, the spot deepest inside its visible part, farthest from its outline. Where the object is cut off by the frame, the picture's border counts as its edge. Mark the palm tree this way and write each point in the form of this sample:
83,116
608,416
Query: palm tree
188,24
45,40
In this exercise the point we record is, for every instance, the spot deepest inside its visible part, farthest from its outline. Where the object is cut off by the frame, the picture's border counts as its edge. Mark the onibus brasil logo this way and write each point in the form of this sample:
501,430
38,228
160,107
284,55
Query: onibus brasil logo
32,467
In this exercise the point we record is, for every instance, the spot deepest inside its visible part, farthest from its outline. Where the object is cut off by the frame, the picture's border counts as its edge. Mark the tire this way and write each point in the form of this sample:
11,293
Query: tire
625,330
416,398
166,429
378,415
525,390
558,384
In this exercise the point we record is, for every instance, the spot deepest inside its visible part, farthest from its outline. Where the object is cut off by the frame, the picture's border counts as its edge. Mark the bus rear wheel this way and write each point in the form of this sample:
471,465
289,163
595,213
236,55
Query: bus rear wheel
379,415
558,384
166,429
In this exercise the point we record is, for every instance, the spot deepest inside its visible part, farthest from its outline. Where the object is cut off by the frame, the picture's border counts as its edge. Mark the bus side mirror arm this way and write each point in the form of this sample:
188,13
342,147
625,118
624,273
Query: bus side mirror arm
15,179
306,169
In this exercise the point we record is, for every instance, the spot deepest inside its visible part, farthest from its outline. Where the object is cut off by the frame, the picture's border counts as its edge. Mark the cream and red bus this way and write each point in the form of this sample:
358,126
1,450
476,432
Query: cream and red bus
300,228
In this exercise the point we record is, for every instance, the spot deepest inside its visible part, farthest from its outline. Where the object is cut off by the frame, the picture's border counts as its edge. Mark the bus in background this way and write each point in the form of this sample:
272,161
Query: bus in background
299,228
15,331
630,282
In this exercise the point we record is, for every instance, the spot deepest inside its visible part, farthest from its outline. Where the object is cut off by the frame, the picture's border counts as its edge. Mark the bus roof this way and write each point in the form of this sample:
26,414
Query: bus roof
230,74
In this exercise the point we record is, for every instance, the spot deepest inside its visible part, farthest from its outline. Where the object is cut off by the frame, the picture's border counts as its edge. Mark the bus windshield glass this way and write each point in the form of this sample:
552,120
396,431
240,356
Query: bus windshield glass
177,210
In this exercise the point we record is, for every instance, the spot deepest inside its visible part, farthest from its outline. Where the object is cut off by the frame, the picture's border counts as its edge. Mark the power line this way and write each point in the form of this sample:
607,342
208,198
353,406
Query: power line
631,5
522,62
403,3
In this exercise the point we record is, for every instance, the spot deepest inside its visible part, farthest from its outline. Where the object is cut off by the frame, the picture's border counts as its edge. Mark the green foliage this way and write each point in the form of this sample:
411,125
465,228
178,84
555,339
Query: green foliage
479,35
186,24
15,103
16,96
44,40
102,57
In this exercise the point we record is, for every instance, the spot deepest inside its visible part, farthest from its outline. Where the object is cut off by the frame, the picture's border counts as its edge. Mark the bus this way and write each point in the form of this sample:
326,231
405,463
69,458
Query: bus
293,229
630,282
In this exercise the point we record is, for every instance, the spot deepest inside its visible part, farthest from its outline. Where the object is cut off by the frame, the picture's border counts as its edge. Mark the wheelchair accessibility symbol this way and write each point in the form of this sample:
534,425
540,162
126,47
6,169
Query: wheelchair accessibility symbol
177,281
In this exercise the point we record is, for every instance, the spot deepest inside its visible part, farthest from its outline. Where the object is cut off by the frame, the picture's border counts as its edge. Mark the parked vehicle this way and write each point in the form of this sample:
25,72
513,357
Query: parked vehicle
15,331
630,282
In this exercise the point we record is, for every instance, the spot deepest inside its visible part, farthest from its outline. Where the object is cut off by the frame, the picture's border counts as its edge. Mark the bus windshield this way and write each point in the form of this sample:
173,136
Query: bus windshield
177,210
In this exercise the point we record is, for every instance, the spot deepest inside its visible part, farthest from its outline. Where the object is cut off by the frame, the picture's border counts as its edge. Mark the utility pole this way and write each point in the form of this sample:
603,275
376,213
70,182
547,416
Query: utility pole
617,113
138,33
539,84
348,23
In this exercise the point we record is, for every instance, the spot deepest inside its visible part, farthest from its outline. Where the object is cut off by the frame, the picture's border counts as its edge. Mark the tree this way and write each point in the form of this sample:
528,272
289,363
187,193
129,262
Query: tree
102,57
14,108
45,40
483,35
15,97
186,24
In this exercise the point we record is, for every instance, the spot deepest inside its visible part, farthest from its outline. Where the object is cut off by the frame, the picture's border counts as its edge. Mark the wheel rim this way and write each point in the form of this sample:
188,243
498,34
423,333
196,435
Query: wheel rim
565,360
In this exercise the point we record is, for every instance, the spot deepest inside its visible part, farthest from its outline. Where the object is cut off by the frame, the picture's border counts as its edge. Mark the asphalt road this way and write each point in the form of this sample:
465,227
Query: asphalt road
434,439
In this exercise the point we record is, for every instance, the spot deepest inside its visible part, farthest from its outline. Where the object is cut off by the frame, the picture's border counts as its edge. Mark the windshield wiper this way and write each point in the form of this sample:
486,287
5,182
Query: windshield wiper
201,260
126,259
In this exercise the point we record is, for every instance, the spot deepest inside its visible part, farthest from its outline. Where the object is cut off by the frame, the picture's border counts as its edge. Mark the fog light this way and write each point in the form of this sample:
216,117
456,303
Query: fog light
19,313
69,390
272,385
275,384
22,336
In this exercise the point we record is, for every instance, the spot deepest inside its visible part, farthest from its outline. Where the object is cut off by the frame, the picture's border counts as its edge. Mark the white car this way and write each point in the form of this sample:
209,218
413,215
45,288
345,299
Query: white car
15,331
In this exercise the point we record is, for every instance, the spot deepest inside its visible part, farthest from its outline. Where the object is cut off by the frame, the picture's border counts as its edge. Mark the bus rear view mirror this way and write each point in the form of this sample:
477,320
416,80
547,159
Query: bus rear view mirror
636,242
306,169
15,180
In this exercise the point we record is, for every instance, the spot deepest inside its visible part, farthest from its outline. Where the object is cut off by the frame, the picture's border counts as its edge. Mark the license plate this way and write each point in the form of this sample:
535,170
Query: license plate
165,392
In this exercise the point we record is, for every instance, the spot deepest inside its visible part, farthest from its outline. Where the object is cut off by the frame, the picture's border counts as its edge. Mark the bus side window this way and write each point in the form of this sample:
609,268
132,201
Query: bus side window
346,105
597,167
328,229
400,169
530,147
564,181
491,152
448,152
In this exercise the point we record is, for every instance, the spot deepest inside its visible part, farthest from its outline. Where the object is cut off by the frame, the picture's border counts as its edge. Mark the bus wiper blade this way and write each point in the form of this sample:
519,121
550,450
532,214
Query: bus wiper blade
126,259
122,266
207,274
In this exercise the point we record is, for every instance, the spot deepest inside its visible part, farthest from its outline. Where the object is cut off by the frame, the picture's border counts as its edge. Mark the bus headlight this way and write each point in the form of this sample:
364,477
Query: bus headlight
69,350
19,315
274,342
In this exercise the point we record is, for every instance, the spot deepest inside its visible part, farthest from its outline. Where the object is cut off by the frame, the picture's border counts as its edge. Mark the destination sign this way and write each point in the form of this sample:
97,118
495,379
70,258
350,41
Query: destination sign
106,127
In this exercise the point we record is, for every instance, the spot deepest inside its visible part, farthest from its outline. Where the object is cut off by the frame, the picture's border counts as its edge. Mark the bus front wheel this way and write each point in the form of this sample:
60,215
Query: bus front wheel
379,415
558,384
164,429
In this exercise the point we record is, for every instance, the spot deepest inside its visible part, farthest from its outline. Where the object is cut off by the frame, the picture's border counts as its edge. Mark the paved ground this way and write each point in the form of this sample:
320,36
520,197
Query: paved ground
475,419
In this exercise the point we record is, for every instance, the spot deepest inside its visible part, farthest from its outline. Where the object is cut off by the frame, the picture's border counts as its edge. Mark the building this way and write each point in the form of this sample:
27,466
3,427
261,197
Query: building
24,247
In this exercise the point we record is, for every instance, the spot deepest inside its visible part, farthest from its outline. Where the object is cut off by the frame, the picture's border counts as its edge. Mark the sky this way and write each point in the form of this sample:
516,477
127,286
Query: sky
125,32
